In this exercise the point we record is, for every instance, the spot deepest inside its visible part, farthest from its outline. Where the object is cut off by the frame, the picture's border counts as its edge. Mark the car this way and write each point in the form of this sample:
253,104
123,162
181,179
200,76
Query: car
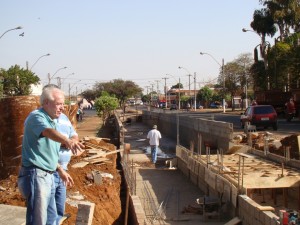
173,107
215,105
260,116
199,106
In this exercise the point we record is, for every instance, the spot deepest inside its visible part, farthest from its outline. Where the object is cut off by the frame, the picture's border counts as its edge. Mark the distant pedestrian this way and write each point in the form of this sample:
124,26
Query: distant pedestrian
254,102
154,136
290,109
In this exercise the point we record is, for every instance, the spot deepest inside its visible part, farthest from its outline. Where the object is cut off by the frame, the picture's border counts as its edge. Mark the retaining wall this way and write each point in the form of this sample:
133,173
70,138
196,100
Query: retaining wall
193,130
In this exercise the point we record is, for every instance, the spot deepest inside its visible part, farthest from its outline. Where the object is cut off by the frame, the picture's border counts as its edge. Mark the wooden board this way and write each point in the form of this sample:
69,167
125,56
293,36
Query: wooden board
80,164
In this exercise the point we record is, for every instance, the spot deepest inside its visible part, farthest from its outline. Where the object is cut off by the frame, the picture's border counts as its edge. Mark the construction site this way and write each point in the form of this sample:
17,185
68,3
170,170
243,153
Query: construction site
206,173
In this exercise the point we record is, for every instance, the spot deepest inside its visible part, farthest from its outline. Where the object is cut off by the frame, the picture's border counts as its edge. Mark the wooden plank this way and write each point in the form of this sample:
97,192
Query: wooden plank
98,160
80,164
234,221
265,208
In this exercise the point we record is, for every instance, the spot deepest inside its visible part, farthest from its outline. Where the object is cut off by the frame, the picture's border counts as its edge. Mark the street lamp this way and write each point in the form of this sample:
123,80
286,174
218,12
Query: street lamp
166,97
49,78
38,60
189,74
70,87
178,89
59,82
222,72
263,45
16,28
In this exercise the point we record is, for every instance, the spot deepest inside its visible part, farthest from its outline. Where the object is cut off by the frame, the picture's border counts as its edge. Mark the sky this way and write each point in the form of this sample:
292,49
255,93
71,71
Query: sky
144,41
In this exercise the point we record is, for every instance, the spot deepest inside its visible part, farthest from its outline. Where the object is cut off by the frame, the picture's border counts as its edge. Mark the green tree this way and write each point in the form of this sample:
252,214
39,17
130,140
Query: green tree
105,105
89,94
205,95
177,86
121,89
17,81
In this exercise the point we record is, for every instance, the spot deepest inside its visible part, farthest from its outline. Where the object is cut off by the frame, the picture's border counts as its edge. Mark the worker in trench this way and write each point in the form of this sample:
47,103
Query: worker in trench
154,135
40,153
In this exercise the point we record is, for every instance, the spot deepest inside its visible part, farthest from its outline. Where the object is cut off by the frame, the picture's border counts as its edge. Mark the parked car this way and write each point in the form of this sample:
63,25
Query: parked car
173,107
215,105
260,116
199,106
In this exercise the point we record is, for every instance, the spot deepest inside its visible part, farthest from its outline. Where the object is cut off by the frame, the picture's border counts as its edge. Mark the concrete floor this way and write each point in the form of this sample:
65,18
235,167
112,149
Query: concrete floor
156,185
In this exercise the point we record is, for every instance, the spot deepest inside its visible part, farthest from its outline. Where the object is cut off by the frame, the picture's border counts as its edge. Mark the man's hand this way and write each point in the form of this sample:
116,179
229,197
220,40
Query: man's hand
67,179
74,145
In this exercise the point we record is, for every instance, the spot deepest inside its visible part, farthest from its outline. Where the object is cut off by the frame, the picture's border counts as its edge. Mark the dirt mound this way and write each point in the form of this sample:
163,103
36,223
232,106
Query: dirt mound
106,196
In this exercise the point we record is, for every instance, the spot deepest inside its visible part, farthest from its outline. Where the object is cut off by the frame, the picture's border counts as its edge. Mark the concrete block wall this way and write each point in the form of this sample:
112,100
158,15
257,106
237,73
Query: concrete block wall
216,134
250,213
137,214
276,158
213,184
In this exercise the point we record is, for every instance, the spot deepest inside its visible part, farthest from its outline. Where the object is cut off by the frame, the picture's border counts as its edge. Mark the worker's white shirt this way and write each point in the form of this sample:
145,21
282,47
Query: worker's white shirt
154,136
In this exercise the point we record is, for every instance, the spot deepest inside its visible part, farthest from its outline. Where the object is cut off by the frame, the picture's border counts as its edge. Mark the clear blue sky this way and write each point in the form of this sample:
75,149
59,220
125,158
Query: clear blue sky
138,40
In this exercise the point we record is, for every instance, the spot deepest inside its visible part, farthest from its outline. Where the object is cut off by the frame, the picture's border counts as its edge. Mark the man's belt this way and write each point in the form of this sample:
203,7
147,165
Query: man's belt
34,166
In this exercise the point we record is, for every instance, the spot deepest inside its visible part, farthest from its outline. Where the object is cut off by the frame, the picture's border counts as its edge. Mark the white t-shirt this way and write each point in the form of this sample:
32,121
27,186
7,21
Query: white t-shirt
154,136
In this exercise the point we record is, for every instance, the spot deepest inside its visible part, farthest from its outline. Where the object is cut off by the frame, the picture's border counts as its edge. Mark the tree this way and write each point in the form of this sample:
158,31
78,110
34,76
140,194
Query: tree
89,94
177,86
17,81
205,94
105,105
121,89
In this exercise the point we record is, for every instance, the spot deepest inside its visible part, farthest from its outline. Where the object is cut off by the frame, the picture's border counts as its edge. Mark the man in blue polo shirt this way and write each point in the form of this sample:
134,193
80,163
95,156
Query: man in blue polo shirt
41,142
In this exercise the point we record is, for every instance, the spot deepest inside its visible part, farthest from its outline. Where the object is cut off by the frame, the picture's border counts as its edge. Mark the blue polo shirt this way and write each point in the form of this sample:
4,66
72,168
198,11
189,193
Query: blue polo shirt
38,150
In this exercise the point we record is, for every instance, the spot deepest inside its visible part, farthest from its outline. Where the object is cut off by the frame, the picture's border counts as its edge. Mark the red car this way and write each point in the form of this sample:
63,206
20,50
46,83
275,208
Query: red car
260,116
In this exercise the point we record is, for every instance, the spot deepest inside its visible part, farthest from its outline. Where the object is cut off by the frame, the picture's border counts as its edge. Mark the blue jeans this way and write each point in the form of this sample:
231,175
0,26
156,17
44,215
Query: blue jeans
154,153
60,196
37,187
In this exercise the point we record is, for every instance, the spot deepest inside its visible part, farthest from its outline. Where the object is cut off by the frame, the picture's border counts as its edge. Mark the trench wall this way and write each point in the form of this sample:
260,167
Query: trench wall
194,131
216,134
214,184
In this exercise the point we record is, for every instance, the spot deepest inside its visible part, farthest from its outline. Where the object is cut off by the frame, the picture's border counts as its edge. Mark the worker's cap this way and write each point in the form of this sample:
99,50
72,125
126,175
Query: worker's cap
154,126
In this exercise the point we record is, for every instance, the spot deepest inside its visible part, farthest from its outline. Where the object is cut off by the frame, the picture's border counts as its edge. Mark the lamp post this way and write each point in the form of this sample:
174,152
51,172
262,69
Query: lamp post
50,77
263,46
222,72
38,60
16,28
166,97
59,82
189,74
178,89
70,87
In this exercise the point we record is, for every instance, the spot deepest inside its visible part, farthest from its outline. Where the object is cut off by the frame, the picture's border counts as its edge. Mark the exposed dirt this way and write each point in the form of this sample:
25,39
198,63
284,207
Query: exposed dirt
106,196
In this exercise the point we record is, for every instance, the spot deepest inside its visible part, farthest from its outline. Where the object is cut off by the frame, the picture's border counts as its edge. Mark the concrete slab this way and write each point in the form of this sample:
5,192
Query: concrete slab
12,215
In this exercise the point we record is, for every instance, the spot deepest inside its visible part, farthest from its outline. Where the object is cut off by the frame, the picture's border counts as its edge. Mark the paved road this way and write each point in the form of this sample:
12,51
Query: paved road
284,127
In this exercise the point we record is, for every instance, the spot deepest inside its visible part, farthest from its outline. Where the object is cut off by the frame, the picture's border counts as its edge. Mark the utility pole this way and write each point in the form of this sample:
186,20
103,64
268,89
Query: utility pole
195,101
166,97
189,84
147,89
224,107
49,78
179,94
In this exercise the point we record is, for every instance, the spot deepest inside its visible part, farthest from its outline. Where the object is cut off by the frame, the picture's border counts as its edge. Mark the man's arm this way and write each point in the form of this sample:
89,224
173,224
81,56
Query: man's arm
54,135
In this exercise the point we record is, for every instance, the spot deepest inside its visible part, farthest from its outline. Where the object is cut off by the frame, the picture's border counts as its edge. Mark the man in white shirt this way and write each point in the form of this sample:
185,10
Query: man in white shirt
154,136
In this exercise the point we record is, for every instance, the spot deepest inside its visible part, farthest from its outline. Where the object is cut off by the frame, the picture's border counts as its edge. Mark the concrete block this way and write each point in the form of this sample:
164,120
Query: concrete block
85,213
268,217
